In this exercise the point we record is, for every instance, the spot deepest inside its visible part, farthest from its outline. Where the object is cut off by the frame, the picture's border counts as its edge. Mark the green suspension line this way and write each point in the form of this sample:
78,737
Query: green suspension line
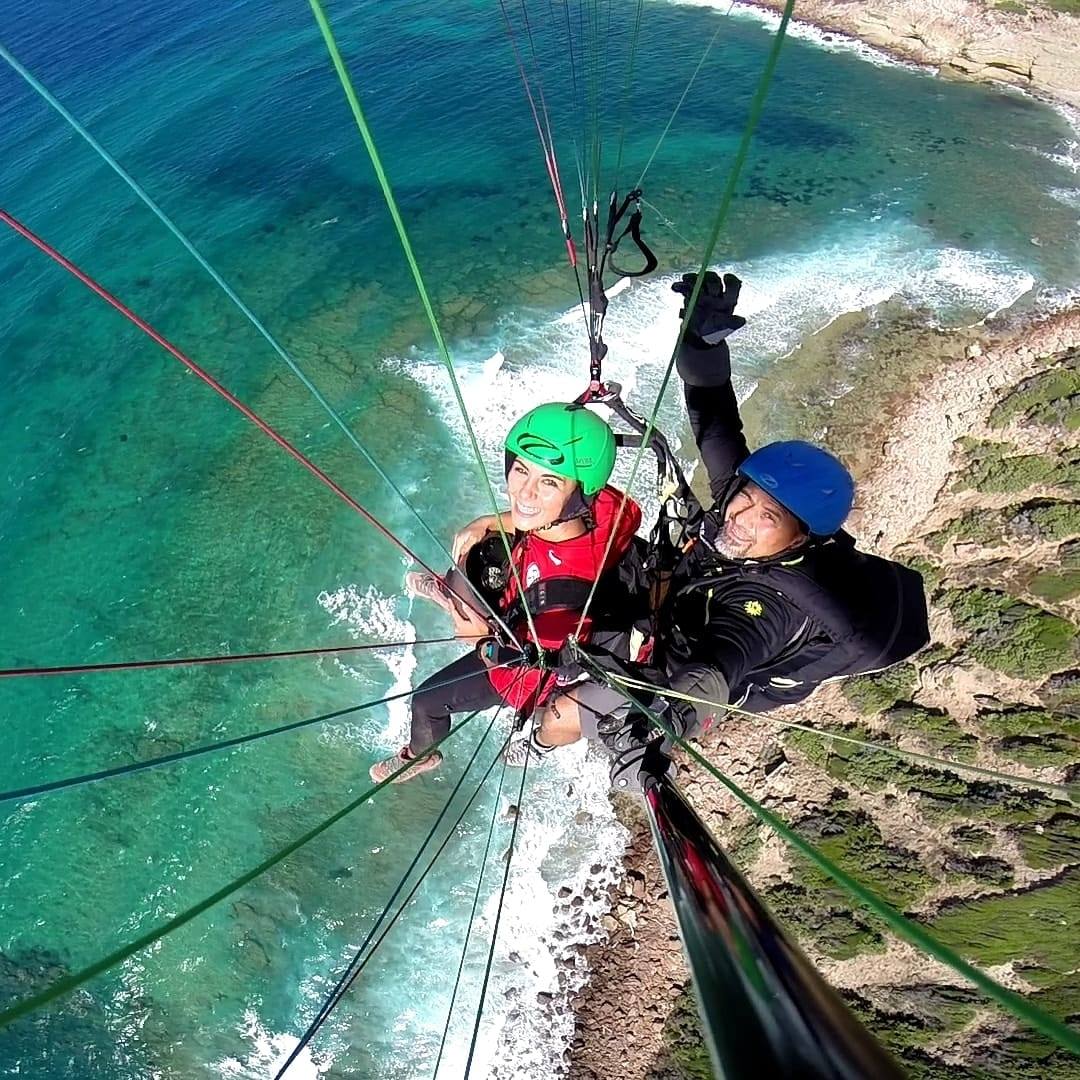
1067,791
403,236
64,986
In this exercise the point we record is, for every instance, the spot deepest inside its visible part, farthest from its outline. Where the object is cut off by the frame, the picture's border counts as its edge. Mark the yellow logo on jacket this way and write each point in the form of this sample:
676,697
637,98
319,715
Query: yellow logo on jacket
753,608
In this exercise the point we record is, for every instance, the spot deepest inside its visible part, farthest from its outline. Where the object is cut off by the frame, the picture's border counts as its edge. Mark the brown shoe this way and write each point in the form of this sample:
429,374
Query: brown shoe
383,770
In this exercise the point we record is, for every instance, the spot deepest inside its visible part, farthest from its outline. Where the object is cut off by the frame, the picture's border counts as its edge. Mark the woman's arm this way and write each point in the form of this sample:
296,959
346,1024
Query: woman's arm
475,531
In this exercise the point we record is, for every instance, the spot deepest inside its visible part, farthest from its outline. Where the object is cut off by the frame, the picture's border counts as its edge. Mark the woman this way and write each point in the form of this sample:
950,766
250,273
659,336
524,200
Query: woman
565,528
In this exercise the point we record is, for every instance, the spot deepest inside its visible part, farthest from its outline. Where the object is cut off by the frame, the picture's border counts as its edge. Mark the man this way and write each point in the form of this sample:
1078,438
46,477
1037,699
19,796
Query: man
771,599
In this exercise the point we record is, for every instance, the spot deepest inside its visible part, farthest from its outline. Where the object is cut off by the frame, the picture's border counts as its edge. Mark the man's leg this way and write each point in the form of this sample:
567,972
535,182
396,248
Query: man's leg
575,712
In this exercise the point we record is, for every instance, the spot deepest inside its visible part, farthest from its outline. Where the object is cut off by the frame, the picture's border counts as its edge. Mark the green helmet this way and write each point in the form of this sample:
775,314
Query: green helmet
568,440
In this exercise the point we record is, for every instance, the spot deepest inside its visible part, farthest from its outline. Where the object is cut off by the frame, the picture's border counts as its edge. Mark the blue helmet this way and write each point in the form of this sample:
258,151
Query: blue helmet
806,480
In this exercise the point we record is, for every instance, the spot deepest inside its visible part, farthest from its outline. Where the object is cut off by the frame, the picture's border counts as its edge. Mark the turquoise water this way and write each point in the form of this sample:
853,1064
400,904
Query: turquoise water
141,517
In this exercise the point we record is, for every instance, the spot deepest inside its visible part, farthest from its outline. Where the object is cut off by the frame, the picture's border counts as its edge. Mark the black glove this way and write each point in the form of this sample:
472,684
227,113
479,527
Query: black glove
713,317
691,720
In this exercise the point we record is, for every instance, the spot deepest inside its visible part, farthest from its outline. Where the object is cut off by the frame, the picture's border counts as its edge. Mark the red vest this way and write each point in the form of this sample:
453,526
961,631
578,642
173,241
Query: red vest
581,558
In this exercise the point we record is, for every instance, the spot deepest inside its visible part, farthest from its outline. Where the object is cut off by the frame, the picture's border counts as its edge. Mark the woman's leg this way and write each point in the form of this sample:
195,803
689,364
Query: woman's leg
460,687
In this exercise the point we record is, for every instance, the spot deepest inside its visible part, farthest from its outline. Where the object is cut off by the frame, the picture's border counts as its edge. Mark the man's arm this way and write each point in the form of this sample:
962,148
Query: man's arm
713,412
744,634
704,365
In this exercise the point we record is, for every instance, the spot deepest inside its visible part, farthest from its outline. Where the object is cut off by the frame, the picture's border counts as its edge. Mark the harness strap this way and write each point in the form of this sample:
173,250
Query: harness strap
551,594
633,228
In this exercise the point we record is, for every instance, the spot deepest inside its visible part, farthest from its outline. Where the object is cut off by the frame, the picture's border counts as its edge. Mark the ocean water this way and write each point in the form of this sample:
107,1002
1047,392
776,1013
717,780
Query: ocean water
141,517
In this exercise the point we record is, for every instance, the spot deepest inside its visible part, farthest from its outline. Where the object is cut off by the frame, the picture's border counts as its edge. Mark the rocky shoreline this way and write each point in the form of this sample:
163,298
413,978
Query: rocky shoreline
1018,43
971,474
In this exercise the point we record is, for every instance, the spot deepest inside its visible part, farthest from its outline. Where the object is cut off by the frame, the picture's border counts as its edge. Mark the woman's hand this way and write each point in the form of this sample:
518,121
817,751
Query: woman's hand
472,534
467,623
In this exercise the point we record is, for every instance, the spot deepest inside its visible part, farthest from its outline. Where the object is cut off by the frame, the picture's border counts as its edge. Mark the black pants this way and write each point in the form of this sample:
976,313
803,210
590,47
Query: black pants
434,702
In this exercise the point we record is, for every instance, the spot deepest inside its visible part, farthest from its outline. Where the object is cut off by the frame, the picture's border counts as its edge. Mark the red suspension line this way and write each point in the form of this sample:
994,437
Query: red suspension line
210,381
548,147
235,658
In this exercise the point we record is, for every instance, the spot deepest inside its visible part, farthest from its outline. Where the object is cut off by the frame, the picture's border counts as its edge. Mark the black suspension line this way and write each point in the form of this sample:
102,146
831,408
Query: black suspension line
333,999
208,748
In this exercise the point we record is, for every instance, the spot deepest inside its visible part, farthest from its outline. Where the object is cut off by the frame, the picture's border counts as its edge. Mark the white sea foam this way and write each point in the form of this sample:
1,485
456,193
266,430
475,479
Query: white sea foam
784,298
266,1054
567,828
831,40
370,616
1068,196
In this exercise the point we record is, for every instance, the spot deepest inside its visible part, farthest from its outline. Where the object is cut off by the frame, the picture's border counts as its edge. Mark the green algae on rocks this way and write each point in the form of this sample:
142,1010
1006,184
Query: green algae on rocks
997,468
1050,843
874,693
934,727
818,910
1050,397
972,527
1044,520
851,839
868,769
1010,635
1061,692
684,1044
1038,924
1034,737
913,1018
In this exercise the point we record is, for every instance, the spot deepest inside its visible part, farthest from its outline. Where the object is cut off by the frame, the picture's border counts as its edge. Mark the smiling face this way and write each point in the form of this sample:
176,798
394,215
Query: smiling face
537,497
756,526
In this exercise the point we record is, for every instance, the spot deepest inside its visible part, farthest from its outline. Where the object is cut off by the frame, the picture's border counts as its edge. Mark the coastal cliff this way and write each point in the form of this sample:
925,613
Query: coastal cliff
970,471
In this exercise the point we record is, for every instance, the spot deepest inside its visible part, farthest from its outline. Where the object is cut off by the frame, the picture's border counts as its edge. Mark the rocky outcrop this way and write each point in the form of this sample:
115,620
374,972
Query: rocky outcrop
1023,45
